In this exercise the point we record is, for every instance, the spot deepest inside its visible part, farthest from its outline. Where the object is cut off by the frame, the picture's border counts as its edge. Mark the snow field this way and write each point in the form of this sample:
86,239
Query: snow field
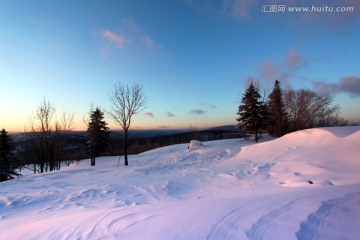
304,185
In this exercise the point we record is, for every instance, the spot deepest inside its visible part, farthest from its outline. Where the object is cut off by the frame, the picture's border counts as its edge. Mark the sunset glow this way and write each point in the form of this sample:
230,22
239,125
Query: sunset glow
192,57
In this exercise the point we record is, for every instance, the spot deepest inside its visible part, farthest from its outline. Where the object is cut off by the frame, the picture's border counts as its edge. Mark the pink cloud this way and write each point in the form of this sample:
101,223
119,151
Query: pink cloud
239,8
149,114
198,112
112,37
149,42
269,70
350,85
293,59
169,114
325,88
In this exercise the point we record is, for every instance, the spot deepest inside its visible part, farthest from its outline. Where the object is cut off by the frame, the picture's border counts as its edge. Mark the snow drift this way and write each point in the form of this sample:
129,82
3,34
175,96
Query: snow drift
304,185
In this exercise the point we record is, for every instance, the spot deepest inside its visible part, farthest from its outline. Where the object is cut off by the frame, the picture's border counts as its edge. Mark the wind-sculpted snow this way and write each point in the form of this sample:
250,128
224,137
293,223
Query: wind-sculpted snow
323,223
305,185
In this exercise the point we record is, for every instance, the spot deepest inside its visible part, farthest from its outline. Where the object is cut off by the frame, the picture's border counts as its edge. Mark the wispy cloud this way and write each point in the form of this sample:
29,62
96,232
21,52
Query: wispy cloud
169,114
131,33
239,8
113,38
349,85
269,70
293,59
150,42
130,24
198,112
149,114
132,28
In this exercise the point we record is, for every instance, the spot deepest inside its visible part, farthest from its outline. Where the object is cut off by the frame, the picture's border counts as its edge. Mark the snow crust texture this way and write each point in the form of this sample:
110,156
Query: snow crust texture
304,185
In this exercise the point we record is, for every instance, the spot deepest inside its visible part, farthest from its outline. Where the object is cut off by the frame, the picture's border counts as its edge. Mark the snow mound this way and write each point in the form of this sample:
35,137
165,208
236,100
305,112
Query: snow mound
342,132
308,157
355,137
195,145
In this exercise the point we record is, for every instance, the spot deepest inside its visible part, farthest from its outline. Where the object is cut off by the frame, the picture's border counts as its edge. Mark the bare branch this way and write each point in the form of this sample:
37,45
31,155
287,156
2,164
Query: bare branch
125,102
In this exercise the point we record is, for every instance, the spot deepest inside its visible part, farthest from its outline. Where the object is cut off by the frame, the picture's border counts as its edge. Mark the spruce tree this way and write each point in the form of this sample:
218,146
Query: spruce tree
252,112
7,159
97,135
277,114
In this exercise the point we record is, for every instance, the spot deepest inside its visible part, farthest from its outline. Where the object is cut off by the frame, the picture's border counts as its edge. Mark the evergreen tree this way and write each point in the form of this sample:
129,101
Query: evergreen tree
7,159
97,135
277,114
252,112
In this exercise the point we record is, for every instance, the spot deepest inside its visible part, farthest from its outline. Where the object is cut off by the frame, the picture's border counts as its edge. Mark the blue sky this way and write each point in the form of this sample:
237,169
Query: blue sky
192,57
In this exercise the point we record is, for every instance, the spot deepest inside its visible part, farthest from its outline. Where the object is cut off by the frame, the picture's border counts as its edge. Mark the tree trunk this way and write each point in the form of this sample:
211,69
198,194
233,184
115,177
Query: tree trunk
92,160
126,146
256,134
42,167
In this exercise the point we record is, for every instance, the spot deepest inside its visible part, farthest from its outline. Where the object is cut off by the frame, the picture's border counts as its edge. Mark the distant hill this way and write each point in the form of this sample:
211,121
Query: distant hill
227,128
136,134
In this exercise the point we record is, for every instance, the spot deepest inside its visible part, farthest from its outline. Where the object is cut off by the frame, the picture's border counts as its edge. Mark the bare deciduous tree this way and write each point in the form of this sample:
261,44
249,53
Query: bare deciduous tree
39,130
126,101
47,137
62,128
307,109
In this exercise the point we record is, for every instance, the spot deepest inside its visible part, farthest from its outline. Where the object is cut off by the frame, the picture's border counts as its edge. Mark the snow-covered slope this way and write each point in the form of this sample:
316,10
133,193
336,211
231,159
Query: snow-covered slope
305,185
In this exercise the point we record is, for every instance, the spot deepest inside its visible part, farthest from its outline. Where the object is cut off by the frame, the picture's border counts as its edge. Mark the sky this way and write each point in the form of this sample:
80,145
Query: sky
191,57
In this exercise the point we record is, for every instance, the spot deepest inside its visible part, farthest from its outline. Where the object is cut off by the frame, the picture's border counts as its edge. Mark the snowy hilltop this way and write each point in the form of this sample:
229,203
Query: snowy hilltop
304,185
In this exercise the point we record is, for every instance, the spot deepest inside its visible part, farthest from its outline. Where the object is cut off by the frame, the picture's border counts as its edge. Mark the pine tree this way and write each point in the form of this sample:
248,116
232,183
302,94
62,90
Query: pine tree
7,159
97,135
277,114
252,112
